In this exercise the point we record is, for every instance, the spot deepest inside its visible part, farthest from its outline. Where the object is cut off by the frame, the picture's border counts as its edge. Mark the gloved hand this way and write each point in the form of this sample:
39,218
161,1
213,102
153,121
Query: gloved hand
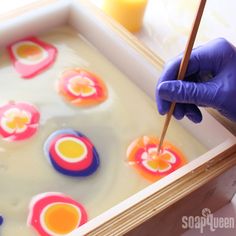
210,81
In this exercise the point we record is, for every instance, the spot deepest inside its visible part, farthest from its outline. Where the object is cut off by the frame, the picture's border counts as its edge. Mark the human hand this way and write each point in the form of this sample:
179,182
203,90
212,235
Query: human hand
217,59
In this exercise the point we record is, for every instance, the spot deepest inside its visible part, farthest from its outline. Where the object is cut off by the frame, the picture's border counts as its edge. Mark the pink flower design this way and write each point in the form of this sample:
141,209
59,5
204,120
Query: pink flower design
18,121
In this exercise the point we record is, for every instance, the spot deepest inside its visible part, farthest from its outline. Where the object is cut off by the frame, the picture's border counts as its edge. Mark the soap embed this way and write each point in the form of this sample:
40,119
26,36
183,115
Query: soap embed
82,88
55,214
142,155
18,120
71,153
1,220
31,56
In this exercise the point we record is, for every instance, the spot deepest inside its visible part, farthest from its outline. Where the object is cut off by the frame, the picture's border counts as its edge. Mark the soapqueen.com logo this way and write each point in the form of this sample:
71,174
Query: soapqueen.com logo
207,220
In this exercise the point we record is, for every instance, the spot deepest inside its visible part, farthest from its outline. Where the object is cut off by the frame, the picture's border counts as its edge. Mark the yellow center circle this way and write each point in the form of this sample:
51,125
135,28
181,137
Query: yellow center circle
71,148
61,218
29,52
17,122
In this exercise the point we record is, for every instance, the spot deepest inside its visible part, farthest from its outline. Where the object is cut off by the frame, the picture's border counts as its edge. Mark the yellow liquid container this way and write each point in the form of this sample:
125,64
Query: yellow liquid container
129,13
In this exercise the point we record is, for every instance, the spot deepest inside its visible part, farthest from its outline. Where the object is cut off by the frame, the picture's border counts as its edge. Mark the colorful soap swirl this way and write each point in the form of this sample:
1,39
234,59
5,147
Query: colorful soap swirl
82,88
18,121
1,220
71,153
54,214
143,156
31,56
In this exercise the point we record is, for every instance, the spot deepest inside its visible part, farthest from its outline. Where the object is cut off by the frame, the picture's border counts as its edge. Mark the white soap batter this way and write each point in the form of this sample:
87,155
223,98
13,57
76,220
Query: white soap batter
127,114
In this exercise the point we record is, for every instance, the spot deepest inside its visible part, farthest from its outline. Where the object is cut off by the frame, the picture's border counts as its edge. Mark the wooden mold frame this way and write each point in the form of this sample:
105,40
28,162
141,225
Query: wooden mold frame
143,208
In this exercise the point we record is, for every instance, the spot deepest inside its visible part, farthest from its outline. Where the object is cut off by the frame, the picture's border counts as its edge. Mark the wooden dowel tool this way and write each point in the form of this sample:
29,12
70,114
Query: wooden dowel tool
183,66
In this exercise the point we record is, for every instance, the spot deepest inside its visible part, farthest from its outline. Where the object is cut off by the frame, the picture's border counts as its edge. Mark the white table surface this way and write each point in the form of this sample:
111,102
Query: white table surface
167,24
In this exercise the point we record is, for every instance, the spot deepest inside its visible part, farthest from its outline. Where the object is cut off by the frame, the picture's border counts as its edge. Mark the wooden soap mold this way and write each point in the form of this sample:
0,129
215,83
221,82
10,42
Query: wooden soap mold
149,211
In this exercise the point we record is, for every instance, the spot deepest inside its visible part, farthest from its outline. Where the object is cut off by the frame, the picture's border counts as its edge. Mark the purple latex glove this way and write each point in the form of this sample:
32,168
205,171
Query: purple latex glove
210,81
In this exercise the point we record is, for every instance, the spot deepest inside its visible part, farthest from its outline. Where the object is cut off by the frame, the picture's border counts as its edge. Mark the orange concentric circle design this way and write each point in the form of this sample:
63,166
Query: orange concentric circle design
142,155
82,88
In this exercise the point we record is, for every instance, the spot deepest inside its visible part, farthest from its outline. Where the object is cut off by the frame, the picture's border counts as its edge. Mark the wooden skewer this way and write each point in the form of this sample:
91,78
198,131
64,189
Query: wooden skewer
183,66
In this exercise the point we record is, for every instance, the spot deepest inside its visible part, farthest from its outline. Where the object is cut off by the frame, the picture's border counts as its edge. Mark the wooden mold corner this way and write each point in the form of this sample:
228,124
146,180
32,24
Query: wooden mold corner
150,213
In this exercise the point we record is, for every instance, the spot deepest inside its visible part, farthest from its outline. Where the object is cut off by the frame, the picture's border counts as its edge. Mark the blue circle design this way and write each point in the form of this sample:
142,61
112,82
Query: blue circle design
80,173
1,220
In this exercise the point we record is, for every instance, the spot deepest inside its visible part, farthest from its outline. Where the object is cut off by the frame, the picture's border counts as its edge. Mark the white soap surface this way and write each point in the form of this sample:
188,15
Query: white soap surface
126,115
